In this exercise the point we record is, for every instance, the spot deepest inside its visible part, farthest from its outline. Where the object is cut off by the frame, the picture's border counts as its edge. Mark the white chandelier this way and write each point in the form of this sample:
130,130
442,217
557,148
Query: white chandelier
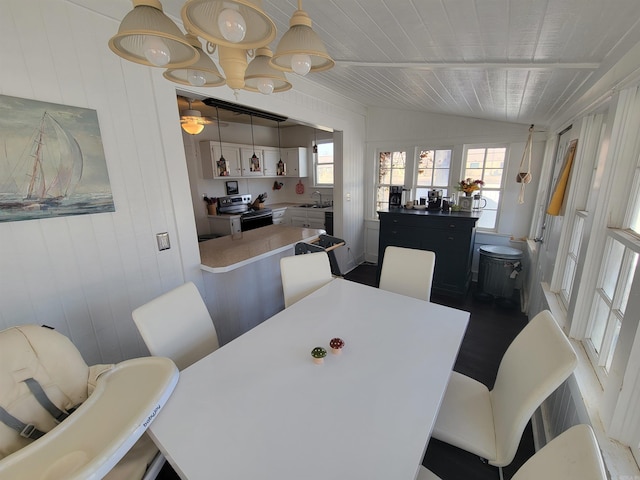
237,28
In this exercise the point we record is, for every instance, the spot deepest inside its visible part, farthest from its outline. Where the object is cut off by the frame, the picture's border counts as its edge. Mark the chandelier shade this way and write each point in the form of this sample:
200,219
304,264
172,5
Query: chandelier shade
261,77
148,37
300,49
203,73
229,23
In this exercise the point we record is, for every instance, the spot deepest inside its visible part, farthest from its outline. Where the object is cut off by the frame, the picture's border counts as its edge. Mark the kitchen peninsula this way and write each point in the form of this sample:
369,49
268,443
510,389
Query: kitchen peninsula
241,275
230,252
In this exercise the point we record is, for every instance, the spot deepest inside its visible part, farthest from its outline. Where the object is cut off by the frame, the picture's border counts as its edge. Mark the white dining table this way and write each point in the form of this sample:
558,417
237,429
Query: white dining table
260,408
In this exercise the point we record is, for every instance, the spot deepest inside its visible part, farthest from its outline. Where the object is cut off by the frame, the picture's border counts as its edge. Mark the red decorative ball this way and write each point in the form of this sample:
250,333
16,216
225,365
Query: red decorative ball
336,343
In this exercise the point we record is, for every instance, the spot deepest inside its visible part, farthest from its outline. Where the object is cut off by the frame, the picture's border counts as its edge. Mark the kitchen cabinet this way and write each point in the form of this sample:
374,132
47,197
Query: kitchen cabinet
252,167
238,161
271,159
212,167
279,215
450,235
306,217
296,160
224,224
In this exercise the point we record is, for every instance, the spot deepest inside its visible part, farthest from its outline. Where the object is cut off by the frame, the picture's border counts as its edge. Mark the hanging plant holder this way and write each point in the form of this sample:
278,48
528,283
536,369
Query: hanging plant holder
524,174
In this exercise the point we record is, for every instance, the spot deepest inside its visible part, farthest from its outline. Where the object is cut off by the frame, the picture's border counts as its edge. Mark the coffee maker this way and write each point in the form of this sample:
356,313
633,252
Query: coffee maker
435,199
396,197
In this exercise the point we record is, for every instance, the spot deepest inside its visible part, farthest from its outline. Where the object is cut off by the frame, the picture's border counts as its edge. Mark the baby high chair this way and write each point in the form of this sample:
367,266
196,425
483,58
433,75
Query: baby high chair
61,419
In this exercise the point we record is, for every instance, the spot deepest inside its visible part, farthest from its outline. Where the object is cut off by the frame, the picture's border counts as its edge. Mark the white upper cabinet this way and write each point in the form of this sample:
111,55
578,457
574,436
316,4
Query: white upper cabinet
272,165
252,165
238,162
296,160
215,167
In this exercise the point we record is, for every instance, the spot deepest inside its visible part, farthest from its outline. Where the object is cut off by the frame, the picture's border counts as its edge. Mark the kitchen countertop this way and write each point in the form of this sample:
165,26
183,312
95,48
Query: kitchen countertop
223,254
432,213
274,206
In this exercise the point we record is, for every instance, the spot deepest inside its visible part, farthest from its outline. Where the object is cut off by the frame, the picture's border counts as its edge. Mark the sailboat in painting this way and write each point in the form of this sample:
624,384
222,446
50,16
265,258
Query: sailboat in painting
52,162
49,169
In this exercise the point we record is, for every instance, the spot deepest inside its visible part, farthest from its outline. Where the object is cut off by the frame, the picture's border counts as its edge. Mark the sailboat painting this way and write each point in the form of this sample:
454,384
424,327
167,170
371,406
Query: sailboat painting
52,161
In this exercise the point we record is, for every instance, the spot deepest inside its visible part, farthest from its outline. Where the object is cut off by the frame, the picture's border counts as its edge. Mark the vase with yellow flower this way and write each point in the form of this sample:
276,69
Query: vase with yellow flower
468,186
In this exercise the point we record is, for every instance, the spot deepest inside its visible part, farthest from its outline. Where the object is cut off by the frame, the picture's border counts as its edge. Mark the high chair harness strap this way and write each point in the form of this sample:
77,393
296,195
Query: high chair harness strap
43,400
28,430
24,429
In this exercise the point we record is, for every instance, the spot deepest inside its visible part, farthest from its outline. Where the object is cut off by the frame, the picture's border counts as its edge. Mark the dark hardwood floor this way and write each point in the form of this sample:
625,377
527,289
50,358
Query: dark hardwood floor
491,329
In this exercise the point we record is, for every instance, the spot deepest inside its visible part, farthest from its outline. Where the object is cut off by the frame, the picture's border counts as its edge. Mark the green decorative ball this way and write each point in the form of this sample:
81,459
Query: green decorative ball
318,352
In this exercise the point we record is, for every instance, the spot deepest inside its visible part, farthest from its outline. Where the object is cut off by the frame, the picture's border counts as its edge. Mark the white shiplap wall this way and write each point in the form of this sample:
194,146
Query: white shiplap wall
84,275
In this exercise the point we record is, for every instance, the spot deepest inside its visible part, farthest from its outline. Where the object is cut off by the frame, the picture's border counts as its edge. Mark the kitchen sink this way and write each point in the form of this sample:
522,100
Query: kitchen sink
312,205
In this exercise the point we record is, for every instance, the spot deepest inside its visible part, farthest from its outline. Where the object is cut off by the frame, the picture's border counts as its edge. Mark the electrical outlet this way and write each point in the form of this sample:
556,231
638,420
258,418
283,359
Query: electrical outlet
163,241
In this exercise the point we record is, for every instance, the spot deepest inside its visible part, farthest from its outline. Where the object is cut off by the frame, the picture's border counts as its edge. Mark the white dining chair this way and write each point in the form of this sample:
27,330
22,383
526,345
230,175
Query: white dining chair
303,274
407,271
490,423
177,325
572,455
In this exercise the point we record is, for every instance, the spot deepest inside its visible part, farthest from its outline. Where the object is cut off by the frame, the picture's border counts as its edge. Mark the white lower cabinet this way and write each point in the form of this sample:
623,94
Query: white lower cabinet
224,224
279,216
306,217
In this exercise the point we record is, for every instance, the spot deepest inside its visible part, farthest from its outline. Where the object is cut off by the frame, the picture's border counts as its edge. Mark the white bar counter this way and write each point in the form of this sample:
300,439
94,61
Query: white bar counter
223,254
241,273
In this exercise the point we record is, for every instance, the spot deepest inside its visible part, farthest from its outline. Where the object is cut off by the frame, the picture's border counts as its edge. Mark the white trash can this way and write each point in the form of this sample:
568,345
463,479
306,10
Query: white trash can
498,270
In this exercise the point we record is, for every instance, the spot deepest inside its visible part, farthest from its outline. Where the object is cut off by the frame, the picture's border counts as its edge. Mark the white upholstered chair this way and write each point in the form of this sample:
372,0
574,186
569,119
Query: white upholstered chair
572,455
177,325
490,423
408,271
303,274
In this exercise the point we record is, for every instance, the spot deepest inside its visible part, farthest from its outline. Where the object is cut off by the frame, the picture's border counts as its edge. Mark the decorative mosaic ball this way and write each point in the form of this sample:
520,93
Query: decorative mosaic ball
318,355
336,345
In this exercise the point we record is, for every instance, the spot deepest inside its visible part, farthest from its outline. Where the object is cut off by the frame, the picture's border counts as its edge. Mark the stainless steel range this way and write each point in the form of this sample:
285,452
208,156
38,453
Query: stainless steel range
250,218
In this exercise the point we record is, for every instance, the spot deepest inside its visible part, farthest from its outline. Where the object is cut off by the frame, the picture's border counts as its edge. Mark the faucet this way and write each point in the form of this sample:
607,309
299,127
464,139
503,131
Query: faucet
320,195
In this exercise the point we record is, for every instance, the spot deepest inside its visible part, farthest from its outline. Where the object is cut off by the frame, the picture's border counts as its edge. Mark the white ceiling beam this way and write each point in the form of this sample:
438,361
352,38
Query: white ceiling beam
471,65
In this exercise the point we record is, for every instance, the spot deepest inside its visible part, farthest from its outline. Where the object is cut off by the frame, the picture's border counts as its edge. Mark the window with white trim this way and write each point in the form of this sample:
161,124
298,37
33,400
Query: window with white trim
433,168
571,260
610,299
323,164
391,172
487,163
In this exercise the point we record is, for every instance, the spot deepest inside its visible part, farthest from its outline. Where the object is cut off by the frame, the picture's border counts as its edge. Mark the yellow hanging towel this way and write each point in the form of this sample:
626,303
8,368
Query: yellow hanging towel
561,185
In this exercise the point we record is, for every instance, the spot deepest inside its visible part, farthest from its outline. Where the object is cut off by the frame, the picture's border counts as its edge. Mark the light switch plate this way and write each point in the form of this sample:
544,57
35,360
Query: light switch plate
163,241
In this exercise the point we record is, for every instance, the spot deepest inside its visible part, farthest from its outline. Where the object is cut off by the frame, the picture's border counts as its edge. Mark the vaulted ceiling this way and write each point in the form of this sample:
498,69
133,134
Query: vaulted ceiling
520,61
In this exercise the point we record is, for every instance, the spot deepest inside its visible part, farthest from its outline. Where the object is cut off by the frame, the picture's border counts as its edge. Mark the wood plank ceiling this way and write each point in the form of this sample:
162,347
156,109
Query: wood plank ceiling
520,61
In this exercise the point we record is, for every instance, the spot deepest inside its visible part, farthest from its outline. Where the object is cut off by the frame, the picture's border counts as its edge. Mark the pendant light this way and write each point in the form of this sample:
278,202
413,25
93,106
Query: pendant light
261,77
238,24
254,158
300,49
203,73
147,36
315,141
282,167
222,160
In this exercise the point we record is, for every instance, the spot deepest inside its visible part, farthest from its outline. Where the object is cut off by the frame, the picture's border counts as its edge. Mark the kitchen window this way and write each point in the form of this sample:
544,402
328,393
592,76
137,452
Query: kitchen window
433,171
487,164
323,164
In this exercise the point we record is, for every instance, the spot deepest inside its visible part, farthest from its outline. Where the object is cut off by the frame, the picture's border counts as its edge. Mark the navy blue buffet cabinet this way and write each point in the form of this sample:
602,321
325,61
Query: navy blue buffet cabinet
450,235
